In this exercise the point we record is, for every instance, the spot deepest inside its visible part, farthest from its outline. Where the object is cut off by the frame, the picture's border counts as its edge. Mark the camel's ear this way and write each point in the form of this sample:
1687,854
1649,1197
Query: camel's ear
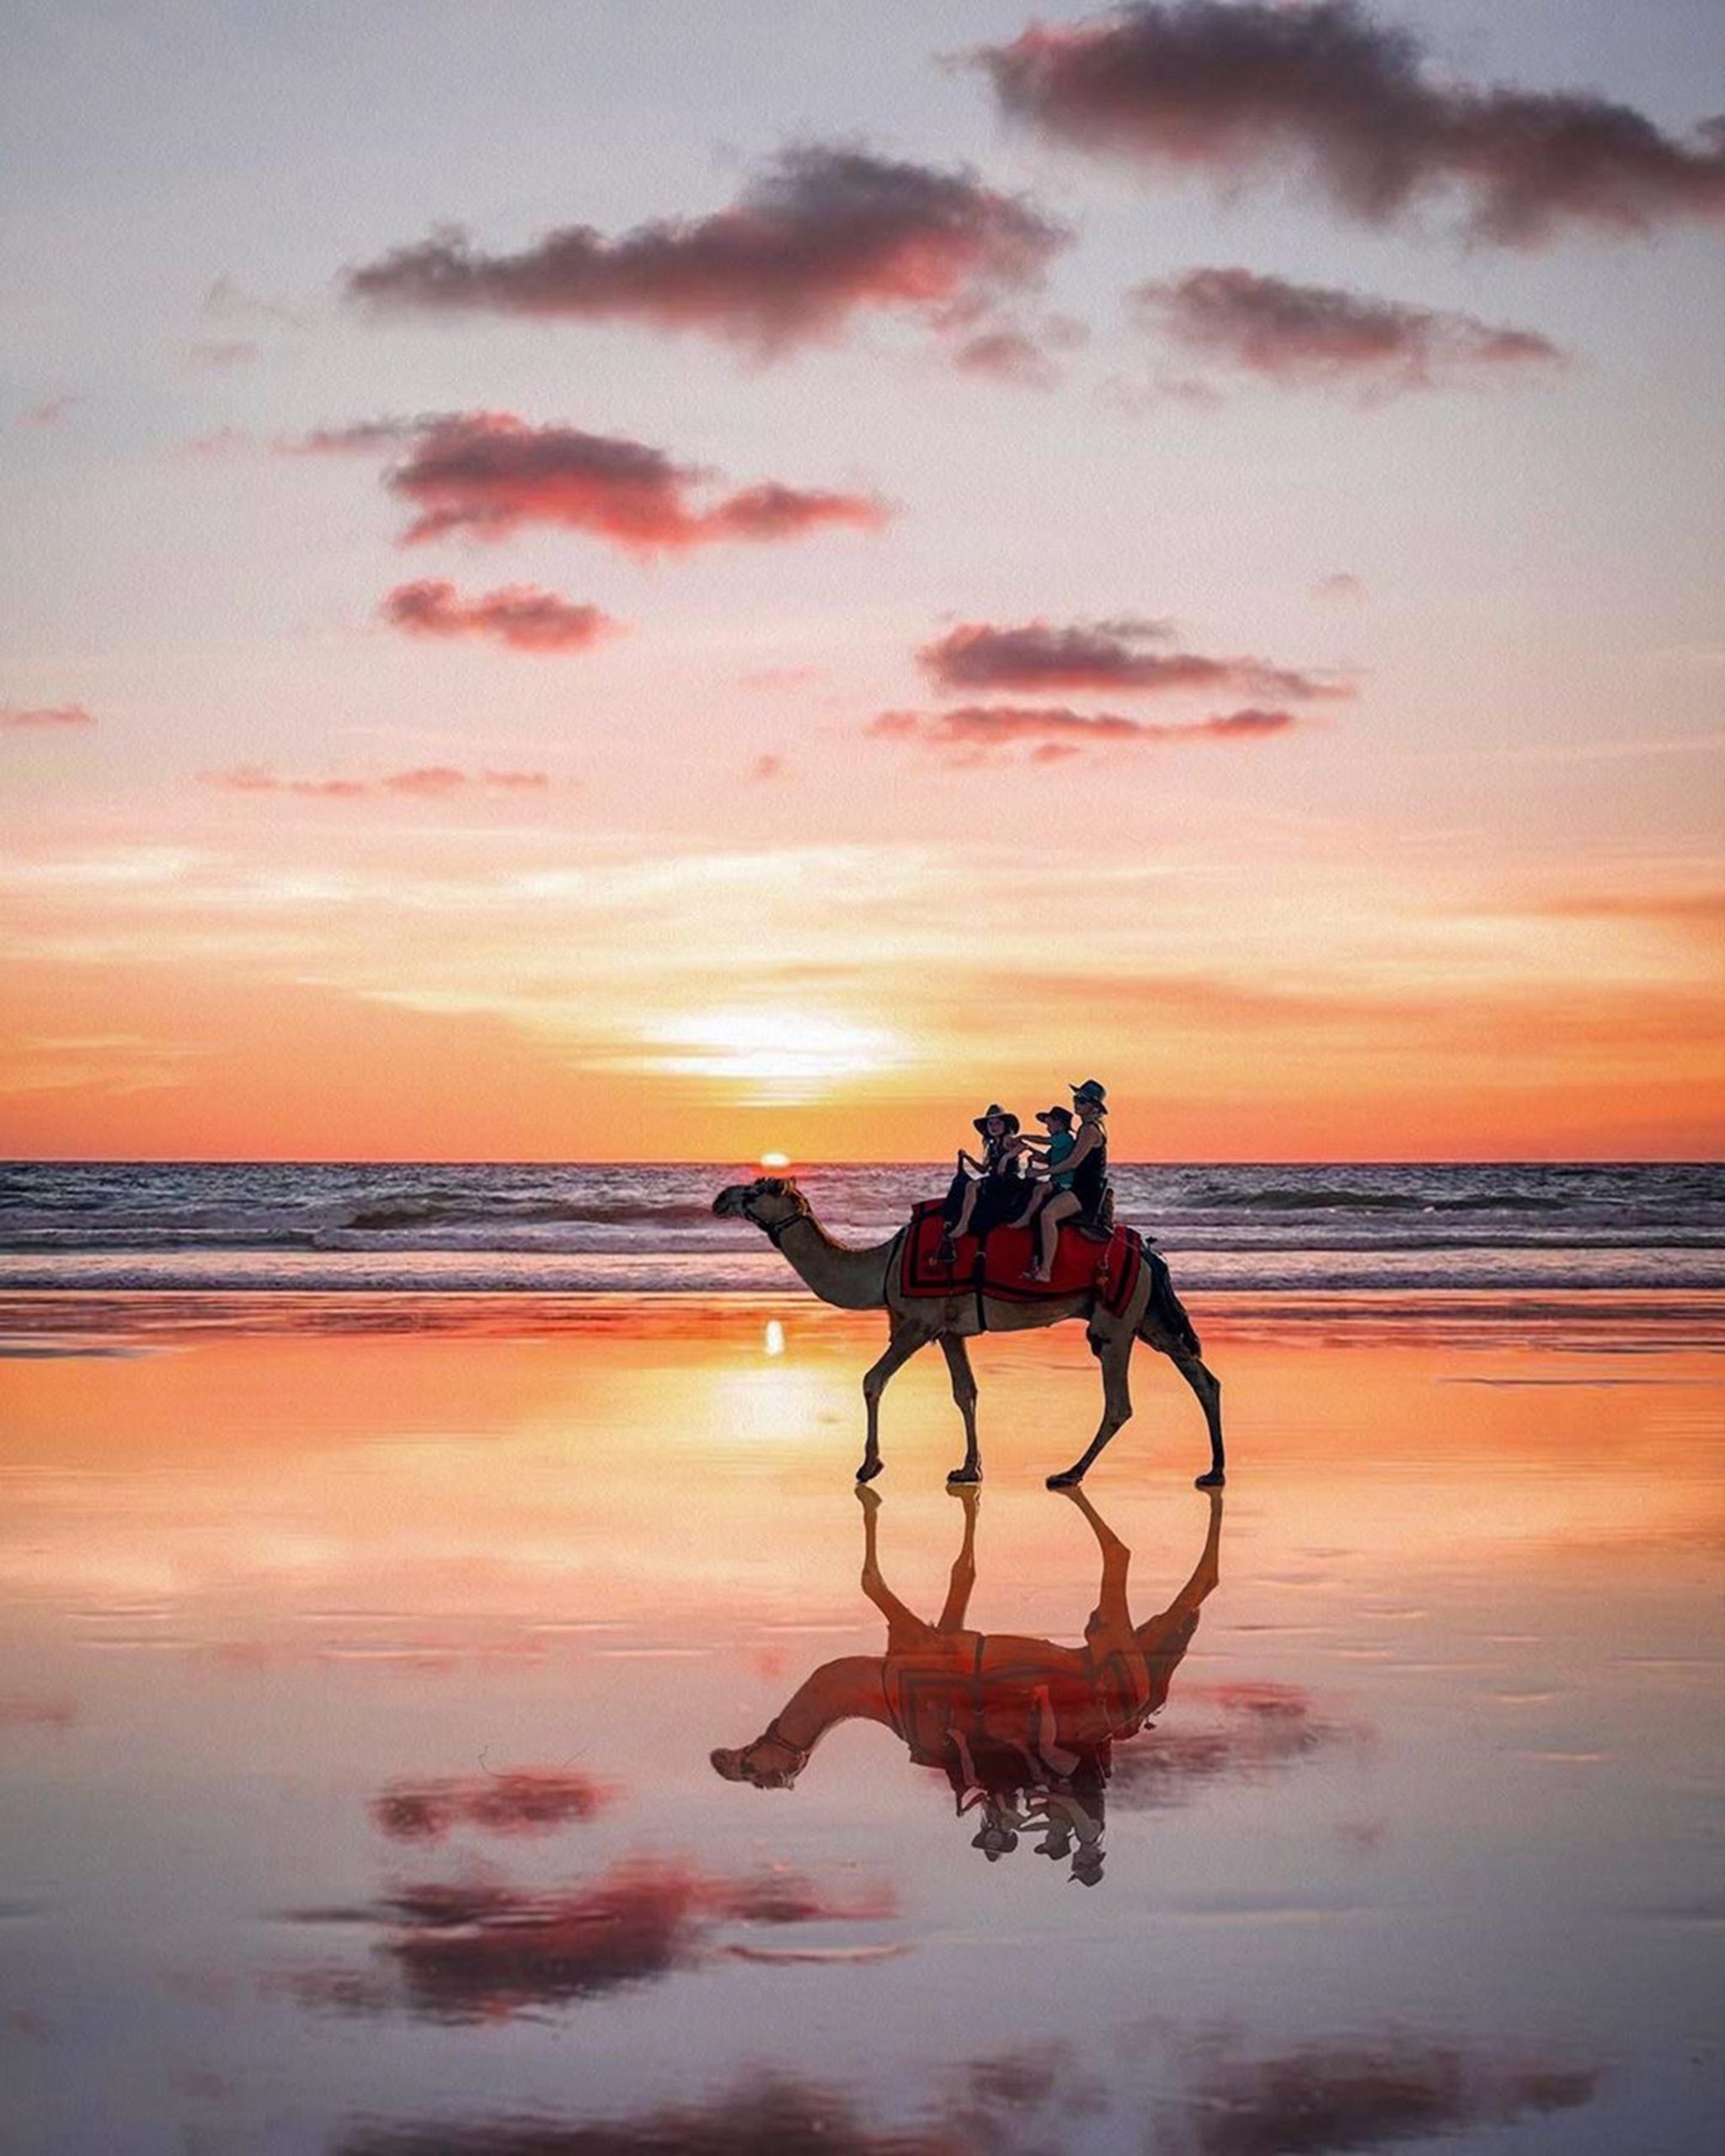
774,1186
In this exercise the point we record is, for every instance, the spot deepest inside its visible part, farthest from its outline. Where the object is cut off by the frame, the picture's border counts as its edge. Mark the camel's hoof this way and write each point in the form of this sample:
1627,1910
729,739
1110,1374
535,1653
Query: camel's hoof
1216,1480
964,1478
867,1472
1069,1480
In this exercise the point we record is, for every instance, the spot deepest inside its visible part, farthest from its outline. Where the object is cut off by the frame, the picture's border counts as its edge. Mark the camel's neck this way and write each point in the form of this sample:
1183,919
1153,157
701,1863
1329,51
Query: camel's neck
849,1279
838,1691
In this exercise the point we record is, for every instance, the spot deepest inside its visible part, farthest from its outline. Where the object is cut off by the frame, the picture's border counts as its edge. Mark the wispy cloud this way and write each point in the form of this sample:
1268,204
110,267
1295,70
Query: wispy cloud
1339,584
1304,336
45,718
1103,656
222,355
427,782
1053,732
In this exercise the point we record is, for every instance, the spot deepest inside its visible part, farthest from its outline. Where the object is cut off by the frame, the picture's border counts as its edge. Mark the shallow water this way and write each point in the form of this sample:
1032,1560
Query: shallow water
360,1663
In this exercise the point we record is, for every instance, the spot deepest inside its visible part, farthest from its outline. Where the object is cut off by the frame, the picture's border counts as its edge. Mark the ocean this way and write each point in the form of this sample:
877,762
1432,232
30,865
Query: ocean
119,1228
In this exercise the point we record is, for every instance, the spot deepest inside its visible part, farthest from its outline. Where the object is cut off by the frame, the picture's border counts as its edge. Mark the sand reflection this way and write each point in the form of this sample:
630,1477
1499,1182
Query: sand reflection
1023,1729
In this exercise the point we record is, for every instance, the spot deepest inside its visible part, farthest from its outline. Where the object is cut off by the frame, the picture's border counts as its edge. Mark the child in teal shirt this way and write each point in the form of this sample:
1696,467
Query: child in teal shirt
1061,1139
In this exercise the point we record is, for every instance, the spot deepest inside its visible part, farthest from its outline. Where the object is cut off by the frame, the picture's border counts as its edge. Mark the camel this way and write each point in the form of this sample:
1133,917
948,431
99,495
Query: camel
868,1280
1022,1727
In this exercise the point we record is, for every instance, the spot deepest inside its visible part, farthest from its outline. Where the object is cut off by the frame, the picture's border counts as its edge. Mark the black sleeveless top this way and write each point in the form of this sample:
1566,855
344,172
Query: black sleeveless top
1090,1178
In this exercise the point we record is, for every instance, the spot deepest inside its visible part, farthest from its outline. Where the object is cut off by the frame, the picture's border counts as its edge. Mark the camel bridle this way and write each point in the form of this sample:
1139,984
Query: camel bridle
776,1230
781,1777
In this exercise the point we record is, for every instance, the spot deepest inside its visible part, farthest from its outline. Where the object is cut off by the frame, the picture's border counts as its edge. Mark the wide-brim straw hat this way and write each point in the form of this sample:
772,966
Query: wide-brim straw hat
994,1112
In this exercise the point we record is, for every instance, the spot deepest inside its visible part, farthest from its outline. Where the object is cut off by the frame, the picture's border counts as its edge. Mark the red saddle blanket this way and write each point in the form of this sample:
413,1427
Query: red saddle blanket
996,1263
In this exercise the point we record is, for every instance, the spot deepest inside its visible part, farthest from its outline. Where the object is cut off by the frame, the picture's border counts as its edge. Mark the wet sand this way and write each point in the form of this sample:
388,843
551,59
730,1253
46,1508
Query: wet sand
360,1665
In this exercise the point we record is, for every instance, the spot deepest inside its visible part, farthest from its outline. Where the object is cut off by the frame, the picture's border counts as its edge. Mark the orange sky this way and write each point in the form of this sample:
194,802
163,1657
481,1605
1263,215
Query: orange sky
1044,617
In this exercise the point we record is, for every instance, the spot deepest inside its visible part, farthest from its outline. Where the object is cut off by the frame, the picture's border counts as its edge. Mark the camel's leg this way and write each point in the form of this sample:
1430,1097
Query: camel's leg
1111,1613
1208,1388
904,1628
957,1602
1206,1574
899,1349
1114,1354
964,1392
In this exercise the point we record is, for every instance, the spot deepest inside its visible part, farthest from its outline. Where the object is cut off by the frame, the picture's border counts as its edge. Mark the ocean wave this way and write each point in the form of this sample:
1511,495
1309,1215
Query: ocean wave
1343,1200
465,1210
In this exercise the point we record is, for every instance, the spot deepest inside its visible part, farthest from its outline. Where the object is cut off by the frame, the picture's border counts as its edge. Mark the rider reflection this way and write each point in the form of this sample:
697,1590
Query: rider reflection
1023,1729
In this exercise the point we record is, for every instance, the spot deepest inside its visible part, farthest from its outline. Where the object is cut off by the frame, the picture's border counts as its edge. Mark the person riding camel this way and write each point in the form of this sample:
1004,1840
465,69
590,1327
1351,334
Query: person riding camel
986,1193
1048,1162
1087,1198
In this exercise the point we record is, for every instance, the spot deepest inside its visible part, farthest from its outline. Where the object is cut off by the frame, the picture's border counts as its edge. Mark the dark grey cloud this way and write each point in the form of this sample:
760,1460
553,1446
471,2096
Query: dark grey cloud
824,233
1352,107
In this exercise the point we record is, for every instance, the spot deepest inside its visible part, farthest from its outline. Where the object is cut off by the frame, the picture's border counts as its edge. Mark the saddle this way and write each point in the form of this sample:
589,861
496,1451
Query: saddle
994,1264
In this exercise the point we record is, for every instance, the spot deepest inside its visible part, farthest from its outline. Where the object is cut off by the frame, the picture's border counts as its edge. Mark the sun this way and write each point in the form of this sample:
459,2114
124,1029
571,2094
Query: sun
774,1162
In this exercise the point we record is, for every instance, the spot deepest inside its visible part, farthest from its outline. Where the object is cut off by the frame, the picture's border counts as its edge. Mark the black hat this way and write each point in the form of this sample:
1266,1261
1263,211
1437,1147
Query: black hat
1091,1088
992,1112
1054,1115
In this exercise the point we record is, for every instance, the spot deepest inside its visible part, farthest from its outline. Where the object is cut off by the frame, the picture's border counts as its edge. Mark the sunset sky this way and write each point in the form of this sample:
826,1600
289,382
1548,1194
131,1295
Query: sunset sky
633,581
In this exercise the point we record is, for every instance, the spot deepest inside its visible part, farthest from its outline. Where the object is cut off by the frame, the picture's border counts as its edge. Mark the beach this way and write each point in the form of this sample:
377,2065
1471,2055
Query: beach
363,1655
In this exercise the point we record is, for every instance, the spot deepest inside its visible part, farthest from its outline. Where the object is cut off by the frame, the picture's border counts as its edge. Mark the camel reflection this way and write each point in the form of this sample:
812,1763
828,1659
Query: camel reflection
1023,1728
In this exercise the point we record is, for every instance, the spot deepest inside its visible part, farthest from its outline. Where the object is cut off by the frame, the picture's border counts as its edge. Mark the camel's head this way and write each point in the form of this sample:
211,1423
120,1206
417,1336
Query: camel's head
769,1202
769,1763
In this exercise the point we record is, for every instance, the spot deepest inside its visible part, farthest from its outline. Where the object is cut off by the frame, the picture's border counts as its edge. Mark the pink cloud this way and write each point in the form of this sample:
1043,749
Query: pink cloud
46,717
489,473
429,781
1306,335
519,616
1101,656
1053,732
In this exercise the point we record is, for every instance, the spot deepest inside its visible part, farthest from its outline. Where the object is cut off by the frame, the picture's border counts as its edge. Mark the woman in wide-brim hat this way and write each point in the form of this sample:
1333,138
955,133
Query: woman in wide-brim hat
985,1193
1085,1197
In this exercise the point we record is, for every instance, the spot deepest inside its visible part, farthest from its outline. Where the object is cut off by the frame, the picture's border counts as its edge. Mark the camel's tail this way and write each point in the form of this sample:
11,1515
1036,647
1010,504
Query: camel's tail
1165,1307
